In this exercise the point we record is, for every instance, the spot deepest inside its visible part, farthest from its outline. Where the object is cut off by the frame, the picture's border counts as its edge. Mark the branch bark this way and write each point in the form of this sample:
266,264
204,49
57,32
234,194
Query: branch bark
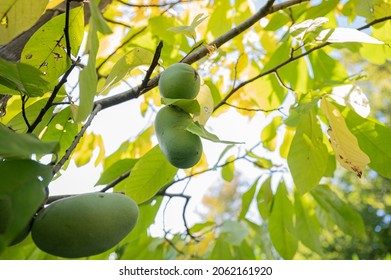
200,53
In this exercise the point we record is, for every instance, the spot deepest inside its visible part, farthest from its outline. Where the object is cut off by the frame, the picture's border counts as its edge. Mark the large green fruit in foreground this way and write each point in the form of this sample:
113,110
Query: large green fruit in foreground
84,225
182,148
179,81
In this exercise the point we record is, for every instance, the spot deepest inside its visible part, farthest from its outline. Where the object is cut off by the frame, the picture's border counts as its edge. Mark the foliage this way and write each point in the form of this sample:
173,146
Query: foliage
278,196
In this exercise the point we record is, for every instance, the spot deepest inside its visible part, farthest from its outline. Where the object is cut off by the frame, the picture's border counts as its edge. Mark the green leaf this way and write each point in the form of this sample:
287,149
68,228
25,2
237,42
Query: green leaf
247,198
281,227
220,22
134,58
373,138
198,129
308,155
221,250
303,30
45,50
116,170
88,78
189,31
307,226
22,192
18,122
149,175
269,133
226,149
327,70
190,106
265,198
11,13
147,216
97,18
16,78
233,232
228,170
61,129
347,219
17,145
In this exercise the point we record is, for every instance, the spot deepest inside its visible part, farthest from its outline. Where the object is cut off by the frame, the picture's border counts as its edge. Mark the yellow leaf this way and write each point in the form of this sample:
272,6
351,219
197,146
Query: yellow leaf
343,142
205,99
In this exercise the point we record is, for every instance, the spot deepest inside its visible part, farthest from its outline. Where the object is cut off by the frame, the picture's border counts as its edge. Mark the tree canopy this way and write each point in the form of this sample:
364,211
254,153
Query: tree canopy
313,184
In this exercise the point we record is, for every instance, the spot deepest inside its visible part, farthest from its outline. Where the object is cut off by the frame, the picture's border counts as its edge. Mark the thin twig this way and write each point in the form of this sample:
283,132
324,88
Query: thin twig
171,4
117,22
24,99
50,101
253,109
69,151
155,62
116,181
66,27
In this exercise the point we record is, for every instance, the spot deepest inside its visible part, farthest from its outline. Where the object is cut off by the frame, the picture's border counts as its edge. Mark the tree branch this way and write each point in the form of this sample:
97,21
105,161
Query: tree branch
69,151
282,64
202,52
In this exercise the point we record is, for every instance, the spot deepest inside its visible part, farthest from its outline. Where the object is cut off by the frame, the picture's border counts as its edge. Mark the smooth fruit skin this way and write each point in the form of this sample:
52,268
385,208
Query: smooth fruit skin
182,148
84,225
179,81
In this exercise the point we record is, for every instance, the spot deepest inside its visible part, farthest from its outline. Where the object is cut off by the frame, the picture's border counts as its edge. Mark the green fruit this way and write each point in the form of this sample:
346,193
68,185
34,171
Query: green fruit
182,148
84,225
22,234
179,81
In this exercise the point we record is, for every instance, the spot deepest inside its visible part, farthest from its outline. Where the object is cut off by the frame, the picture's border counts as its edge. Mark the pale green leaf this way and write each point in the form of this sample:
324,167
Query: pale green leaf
221,250
88,78
374,139
300,30
344,143
265,198
308,155
18,145
228,170
206,103
189,31
233,232
269,133
247,199
327,70
134,58
149,175
281,227
17,78
190,106
45,50
61,129
307,226
98,19
200,130
347,219
115,170
11,13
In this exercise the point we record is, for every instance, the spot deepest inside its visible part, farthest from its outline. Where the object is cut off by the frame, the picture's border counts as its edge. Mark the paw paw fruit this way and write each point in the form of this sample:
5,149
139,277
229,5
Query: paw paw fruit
179,81
84,225
182,148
